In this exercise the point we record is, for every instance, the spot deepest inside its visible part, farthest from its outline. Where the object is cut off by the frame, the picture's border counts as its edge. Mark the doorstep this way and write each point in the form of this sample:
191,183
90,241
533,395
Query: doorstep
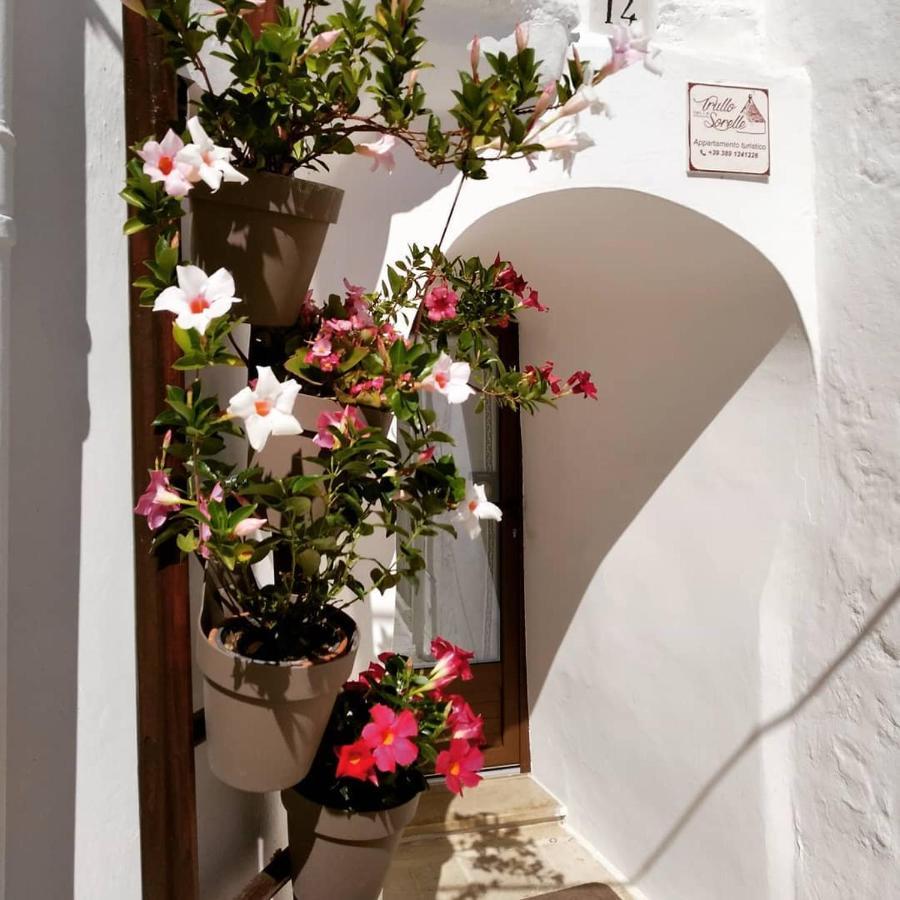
506,840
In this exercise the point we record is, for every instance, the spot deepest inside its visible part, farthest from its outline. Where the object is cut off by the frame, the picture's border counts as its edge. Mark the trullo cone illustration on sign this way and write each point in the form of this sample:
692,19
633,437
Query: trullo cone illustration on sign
755,123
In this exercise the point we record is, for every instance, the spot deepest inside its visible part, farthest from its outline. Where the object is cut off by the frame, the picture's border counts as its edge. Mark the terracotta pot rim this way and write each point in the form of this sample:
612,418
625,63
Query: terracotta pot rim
286,195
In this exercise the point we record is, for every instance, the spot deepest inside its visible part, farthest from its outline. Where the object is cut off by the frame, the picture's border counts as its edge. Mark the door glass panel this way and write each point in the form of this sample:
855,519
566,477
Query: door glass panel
457,594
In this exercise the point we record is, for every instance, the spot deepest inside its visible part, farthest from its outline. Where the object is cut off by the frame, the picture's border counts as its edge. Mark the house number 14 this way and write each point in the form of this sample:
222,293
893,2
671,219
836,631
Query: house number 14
613,8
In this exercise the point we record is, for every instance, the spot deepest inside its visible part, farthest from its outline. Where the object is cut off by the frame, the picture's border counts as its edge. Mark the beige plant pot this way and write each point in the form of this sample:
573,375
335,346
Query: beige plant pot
264,721
268,233
342,856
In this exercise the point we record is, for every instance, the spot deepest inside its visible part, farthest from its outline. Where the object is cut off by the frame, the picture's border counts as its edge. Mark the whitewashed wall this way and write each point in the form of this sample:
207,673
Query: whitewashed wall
743,531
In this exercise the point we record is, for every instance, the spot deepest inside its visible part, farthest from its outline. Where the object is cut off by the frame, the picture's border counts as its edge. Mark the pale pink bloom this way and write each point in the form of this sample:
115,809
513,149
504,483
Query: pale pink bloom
566,146
267,408
249,527
341,326
475,508
543,103
216,495
381,152
344,420
628,47
475,55
586,97
208,162
199,298
323,41
161,164
450,379
158,501
321,346
522,36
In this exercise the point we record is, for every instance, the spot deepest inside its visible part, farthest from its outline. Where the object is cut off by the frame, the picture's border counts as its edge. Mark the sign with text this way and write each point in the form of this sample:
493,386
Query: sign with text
728,130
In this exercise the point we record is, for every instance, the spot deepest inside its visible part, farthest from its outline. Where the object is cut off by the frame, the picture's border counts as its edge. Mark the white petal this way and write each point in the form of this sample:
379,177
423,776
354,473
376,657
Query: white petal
488,510
171,144
287,396
242,403
172,299
190,155
219,286
198,135
283,424
268,386
188,320
219,307
460,372
457,393
230,173
264,571
212,176
191,279
258,430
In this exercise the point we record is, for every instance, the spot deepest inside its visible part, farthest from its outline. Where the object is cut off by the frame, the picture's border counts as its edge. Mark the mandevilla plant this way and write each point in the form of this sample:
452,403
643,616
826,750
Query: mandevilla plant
390,727
281,552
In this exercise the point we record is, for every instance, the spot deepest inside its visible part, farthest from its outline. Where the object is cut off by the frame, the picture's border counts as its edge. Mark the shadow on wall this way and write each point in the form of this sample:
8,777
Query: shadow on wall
50,418
664,531
670,311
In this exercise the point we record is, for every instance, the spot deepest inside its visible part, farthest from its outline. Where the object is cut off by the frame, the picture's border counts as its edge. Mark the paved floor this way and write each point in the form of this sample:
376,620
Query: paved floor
504,841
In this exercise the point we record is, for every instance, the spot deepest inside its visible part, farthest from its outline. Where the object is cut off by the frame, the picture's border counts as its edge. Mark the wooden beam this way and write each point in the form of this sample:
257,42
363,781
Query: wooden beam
168,814
271,880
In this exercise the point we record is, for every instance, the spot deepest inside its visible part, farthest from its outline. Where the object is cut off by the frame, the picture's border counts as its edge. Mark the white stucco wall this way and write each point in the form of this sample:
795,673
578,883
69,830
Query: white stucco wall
72,816
725,563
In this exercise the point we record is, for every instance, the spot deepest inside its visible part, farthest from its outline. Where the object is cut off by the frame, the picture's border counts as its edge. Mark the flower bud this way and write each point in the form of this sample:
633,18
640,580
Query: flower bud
475,55
521,37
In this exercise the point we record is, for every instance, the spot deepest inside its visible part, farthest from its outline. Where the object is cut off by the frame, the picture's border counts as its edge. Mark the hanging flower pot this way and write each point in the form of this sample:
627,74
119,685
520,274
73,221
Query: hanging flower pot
264,720
269,233
339,855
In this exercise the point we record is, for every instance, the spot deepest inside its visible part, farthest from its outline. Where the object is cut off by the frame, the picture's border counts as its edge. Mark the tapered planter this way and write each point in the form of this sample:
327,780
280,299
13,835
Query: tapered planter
269,233
264,721
342,856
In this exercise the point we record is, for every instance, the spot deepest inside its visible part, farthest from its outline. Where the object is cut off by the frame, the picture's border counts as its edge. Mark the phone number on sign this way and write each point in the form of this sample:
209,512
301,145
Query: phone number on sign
744,154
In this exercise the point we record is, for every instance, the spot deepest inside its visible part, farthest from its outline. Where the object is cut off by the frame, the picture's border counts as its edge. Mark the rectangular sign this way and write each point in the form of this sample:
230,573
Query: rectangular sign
728,130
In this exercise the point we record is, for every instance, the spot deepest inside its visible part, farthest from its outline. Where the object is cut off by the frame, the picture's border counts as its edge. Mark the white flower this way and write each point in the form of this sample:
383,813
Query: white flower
586,97
161,163
450,379
323,41
208,162
267,408
381,152
475,508
198,299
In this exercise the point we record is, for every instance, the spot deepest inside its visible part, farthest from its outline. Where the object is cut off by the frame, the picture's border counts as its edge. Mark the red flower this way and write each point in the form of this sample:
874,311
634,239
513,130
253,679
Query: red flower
452,662
510,280
441,302
533,301
373,674
356,761
463,722
581,383
388,737
459,765
553,380
427,455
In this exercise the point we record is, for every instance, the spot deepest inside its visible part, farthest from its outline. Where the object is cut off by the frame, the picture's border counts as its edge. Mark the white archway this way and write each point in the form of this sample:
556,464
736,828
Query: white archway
664,531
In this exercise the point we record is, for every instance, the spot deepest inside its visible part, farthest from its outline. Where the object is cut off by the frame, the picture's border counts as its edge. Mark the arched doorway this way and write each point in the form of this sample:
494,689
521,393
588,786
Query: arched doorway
664,529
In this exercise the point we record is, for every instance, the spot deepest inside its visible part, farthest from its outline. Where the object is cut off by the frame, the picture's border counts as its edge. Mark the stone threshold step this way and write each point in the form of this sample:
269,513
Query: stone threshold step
506,801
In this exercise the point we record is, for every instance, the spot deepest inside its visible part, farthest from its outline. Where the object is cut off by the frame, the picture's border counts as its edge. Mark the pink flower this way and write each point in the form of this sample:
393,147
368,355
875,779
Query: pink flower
441,302
323,41
627,49
356,761
158,501
475,55
388,737
452,662
581,383
427,455
321,346
345,420
216,495
459,765
533,301
522,37
381,152
161,165
248,527
464,724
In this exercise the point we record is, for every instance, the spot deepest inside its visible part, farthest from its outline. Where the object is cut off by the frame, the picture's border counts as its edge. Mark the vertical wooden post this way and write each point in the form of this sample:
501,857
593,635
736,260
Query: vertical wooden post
162,602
